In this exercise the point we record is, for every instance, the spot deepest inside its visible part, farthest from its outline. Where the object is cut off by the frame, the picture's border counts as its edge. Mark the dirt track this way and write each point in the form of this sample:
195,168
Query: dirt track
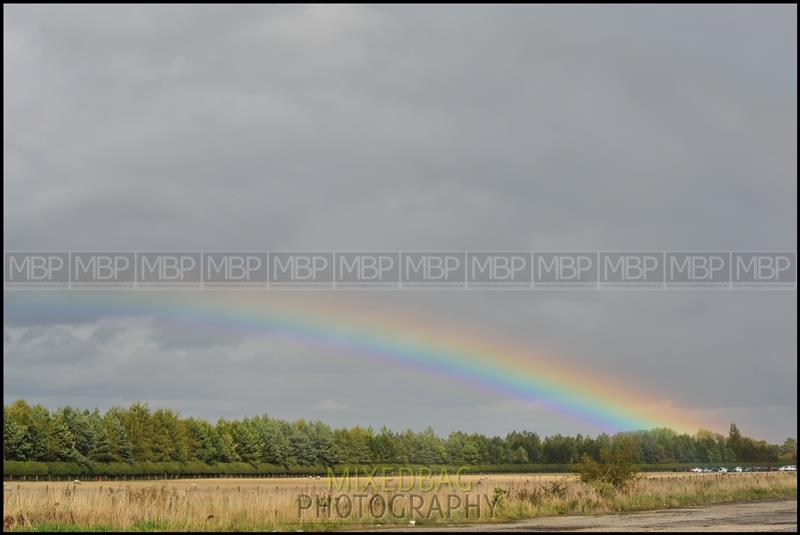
754,516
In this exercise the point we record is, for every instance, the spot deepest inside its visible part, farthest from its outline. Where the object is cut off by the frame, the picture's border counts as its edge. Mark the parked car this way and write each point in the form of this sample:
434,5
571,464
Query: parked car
788,468
697,470
737,469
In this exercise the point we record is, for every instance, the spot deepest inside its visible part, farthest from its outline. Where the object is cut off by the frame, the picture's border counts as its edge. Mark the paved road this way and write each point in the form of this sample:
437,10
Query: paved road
754,516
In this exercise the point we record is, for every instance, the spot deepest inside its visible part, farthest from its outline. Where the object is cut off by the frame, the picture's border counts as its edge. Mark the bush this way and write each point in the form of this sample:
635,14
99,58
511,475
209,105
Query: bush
615,468
24,468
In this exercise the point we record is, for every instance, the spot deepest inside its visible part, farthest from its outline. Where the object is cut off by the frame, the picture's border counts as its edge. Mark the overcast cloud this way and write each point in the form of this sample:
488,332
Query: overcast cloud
383,128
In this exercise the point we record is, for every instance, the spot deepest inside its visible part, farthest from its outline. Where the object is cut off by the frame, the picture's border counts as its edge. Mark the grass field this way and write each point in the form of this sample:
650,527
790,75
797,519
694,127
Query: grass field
266,504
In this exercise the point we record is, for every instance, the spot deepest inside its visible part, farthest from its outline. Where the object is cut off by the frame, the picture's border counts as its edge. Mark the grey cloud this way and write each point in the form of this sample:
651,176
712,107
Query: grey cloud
175,335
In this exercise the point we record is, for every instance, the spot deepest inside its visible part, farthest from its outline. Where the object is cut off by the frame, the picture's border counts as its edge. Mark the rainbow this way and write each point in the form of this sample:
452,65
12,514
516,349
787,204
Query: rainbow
514,372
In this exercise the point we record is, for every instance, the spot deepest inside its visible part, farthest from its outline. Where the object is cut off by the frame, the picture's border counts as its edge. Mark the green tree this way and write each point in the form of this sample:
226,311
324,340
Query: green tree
735,441
519,455
121,446
16,444
138,425
103,450
60,441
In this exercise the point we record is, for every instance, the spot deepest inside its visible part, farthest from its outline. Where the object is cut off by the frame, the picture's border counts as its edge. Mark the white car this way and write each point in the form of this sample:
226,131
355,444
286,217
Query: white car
738,469
697,470
788,468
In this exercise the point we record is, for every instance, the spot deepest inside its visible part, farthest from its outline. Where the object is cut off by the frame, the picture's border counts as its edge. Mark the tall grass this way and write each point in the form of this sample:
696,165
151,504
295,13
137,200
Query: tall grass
260,504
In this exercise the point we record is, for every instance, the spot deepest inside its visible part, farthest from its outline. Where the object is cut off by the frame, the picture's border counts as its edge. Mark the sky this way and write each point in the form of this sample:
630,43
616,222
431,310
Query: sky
405,128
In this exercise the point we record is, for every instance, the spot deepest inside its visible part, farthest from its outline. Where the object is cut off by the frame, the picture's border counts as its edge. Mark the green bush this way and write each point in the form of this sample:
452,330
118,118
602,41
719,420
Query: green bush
590,471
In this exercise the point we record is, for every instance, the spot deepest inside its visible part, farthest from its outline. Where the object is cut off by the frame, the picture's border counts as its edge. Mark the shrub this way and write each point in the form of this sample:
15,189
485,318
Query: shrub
615,468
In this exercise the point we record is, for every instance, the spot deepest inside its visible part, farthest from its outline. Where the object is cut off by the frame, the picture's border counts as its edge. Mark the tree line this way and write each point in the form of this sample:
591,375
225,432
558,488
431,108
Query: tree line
138,434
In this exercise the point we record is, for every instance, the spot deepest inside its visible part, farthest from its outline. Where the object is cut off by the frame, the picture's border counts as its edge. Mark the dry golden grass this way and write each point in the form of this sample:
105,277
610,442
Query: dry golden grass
261,504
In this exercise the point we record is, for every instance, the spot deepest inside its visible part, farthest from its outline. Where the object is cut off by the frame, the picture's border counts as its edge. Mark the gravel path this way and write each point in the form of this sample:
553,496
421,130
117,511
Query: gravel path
754,516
